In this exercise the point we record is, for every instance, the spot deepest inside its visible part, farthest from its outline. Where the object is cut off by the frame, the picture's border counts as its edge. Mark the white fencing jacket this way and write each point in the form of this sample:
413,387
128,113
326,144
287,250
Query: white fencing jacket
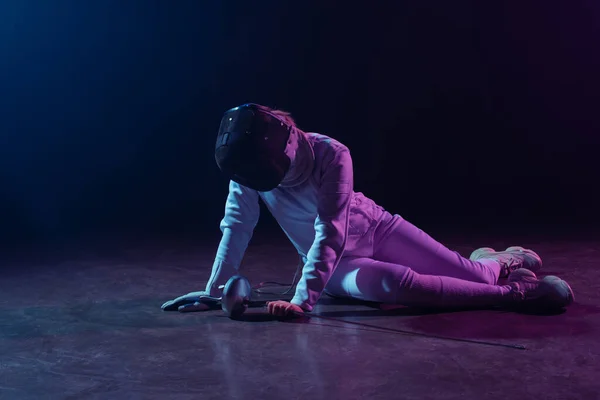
315,206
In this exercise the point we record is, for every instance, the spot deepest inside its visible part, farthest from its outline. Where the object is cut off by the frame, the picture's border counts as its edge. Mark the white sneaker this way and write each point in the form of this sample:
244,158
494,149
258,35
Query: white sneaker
550,292
510,259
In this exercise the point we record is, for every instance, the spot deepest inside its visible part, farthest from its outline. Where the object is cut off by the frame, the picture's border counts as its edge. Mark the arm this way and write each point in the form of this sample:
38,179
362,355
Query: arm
241,216
331,228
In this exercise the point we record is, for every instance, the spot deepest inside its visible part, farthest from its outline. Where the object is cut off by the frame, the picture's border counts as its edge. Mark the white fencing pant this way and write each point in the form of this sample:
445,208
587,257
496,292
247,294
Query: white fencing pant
409,267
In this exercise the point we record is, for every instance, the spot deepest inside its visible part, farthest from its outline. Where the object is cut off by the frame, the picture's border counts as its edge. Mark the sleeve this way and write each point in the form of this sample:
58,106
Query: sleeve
331,229
242,212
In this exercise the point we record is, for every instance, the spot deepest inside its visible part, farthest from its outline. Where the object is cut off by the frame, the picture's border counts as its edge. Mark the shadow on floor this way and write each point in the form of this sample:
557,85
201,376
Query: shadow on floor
478,323
144,313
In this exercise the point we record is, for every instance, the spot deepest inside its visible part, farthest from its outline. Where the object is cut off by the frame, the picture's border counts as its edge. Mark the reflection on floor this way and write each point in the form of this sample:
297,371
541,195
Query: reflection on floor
85,322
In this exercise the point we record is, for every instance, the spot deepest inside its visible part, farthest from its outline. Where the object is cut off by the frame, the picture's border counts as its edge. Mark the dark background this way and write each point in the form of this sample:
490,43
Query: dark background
461,116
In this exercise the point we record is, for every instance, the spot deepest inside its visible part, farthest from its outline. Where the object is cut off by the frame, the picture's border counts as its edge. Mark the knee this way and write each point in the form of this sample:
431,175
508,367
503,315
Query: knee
370,280
386,282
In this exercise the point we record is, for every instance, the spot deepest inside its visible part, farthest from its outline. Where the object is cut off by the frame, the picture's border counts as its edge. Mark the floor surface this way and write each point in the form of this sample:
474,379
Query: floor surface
84,322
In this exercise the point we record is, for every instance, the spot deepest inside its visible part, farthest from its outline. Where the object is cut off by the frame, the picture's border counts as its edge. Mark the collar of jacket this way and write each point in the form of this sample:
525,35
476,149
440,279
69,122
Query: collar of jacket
302,155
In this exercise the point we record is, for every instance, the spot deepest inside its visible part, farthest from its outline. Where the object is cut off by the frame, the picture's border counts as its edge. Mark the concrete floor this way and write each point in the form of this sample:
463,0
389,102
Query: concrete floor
84,322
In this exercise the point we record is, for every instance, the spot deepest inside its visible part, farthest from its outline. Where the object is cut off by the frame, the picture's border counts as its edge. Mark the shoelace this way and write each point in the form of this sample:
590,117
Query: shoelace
509,262
527,288
517,291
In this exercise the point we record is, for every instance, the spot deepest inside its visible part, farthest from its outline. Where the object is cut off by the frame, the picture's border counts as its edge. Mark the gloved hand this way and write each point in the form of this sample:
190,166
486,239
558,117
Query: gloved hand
193,301
282,308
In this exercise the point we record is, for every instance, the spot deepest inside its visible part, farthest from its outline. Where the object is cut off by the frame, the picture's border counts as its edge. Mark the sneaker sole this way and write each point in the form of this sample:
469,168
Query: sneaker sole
521,273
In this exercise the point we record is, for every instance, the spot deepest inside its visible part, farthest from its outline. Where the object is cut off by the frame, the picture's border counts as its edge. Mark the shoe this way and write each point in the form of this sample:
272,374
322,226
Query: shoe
550,292
510,259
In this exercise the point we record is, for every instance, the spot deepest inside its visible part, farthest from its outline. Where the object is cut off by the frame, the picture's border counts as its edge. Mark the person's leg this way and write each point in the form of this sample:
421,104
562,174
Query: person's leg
397,241
376,281
383,282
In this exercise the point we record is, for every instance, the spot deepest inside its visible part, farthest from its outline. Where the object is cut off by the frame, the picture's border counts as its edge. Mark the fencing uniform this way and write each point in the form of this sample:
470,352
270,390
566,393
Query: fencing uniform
350,246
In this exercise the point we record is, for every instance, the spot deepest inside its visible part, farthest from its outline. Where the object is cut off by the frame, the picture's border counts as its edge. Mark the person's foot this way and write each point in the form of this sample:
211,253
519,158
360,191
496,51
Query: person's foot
511,259
550,292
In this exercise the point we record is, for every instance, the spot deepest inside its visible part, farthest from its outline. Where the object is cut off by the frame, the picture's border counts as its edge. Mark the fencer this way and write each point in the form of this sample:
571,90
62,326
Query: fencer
349,245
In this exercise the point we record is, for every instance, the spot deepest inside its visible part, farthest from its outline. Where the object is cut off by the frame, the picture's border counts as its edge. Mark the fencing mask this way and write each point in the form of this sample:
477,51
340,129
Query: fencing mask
251,145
